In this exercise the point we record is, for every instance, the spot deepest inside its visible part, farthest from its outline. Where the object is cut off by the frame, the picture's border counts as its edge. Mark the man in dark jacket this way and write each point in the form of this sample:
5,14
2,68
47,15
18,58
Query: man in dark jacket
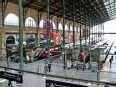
110,60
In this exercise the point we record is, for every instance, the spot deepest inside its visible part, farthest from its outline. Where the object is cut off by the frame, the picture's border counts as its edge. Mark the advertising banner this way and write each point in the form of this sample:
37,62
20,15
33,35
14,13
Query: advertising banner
52,83
47,27
57,38
69,37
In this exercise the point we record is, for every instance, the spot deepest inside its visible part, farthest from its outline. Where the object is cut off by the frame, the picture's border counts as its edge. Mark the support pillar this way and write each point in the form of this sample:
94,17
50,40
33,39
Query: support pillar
92,32
63,50
2,44
48,29
80,27
21,26
38,32
74,53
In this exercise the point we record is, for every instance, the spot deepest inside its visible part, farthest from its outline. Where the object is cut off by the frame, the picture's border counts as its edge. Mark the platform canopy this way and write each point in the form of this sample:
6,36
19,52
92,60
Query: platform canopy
98,11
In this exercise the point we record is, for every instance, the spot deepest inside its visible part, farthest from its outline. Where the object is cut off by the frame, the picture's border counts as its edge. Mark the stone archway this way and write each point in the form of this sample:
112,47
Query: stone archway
10,40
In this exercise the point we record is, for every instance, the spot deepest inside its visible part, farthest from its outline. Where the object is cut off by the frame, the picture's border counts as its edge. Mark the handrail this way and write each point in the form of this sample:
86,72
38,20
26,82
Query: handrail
108,52
62,77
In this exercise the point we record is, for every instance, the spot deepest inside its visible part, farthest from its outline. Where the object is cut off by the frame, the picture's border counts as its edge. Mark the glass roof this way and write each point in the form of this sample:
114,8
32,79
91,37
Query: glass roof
111,8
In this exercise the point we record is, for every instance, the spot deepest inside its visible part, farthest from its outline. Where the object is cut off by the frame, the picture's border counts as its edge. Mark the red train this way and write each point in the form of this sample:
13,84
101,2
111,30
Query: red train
43,53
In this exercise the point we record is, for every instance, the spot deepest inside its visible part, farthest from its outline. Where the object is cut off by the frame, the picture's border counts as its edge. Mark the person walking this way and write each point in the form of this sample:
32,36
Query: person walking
10,83
49,67
24,54
110,60
45,68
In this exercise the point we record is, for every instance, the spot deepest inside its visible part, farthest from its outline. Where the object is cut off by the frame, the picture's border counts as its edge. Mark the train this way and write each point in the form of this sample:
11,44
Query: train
42,53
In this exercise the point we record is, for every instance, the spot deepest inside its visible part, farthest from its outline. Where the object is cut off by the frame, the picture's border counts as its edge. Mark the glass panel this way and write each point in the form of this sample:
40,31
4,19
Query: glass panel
30,22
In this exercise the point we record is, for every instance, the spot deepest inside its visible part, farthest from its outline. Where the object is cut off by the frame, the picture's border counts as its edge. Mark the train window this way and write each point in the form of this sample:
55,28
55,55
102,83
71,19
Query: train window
52,49
56,48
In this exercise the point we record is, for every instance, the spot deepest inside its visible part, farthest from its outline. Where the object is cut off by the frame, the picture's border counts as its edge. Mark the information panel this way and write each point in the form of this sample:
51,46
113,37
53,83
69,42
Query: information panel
95,55
51,83
11,76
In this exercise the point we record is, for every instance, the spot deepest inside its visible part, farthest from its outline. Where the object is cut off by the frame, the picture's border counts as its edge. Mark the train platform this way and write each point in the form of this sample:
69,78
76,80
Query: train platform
107,74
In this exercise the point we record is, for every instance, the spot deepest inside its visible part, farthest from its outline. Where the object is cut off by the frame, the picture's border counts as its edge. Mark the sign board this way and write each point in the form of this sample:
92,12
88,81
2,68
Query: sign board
11,76
95,55
52,83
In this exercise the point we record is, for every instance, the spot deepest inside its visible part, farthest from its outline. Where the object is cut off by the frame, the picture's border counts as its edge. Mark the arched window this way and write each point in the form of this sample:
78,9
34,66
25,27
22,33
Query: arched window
75,28
66,27
30,22
54,26
11,19
71,28
41,24
60,26
10,40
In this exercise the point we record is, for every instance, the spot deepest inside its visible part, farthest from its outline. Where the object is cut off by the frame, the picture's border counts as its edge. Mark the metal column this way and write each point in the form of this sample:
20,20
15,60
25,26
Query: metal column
37,33
80,26
85,36
74,55
48,27
92,31
63,50
1,13
69,28
95,32
89,32
21,33
57,25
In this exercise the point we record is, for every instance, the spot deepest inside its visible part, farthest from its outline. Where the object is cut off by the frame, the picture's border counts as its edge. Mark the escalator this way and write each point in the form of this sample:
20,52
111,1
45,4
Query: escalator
108,52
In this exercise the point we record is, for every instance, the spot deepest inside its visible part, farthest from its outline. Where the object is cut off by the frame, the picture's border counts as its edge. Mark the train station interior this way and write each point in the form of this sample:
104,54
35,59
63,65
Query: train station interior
57,43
